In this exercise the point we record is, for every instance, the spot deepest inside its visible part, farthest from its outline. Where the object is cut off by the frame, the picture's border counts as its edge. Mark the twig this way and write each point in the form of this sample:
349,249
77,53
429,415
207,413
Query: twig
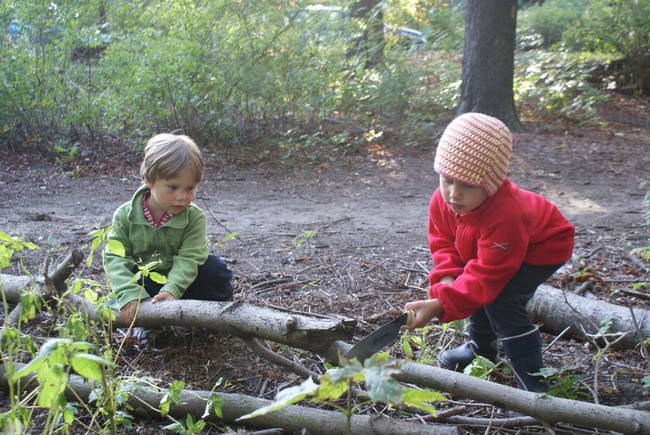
557,338
205,205
269,282
284,286
256,346
642,341
583,287
635,293
637,262
593,251
415,287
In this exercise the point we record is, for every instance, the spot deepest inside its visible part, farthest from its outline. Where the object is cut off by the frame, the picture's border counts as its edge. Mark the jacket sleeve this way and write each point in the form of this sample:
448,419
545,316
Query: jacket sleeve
442,242
192,254
500,252
120,270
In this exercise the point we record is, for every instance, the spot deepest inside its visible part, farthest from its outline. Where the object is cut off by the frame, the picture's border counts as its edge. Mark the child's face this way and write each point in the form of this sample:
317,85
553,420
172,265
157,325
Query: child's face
172,194
461,197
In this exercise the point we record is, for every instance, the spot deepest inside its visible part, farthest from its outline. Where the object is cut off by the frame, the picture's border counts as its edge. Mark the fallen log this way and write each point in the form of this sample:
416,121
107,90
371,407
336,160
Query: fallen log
307,331
556,310
545,408
293,418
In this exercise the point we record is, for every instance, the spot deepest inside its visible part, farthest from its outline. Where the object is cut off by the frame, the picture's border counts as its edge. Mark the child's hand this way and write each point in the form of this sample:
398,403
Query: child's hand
163,296
424,311
127,312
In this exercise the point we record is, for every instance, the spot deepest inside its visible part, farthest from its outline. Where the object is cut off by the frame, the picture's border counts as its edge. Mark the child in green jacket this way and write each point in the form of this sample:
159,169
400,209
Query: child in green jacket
161,224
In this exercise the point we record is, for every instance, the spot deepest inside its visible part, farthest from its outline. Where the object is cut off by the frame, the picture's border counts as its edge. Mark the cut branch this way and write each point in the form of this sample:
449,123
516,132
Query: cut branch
547,409
292,418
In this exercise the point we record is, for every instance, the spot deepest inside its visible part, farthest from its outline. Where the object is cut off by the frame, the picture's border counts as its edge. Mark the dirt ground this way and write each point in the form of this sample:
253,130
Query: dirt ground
361,218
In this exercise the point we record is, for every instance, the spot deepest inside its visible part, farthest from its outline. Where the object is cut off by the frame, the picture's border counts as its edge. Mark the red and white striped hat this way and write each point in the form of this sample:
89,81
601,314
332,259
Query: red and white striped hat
475,149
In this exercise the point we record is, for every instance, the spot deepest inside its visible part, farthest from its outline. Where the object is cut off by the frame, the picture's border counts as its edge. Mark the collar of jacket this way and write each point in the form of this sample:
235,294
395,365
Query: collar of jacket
477,214
136,214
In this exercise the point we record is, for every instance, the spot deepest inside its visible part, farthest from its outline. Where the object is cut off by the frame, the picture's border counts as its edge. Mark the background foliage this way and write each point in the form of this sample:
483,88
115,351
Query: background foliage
237,73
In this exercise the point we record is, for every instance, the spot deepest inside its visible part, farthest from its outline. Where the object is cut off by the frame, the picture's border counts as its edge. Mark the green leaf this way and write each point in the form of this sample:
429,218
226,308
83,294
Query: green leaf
51,345
116,247
479,368
29,304
176,427
69,413
646,381
173,395
378,374
90,366
5,257
215,403
53,382
31,367
285,397
418,398
157,277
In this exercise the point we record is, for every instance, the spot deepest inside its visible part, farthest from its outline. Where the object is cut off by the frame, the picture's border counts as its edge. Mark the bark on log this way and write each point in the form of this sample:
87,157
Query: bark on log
292,418
541,406
556,310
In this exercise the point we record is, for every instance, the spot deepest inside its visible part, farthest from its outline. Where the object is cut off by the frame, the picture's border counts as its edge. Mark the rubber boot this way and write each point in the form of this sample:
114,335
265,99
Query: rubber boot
525,354
483,344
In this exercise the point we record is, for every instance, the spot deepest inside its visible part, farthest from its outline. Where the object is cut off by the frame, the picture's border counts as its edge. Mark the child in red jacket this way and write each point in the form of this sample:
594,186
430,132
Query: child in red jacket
492,245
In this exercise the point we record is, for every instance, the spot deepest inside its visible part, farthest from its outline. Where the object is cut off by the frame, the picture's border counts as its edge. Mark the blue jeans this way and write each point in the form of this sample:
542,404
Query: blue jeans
212,282
506,316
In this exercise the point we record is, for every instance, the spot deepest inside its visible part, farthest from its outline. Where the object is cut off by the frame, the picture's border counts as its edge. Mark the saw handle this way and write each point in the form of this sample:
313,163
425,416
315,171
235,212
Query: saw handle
410,315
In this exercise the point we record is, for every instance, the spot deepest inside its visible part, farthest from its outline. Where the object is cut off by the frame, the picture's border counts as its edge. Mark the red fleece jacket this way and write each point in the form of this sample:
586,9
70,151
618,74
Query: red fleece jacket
483,249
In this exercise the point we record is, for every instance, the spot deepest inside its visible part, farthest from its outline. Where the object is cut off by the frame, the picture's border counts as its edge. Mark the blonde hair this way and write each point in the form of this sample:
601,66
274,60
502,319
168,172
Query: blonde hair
165,155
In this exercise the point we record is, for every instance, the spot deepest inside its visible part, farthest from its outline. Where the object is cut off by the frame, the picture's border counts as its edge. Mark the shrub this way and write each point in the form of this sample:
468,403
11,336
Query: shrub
619,27
544,25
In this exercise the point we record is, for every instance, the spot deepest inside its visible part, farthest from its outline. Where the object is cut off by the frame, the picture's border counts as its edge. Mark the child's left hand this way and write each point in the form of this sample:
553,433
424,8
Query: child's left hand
163,296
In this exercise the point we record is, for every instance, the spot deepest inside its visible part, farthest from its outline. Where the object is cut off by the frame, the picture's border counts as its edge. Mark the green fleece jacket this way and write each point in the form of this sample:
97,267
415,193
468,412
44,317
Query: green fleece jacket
180,245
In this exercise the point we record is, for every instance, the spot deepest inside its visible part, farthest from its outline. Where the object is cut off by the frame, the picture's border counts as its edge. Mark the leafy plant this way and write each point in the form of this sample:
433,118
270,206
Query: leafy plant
9,246
57,357
563,382
377,372
419,339
304,237
480,367
226,239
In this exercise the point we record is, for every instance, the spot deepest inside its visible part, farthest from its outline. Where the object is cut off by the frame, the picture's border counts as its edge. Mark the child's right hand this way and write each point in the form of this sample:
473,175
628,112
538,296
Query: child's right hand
163,296
424,310
128,312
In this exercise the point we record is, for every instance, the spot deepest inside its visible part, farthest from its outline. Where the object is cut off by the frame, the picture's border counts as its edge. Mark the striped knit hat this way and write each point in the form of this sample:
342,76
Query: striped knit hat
475,149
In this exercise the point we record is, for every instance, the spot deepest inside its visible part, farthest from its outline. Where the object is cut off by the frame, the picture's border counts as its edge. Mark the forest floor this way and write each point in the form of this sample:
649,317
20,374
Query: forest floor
344,232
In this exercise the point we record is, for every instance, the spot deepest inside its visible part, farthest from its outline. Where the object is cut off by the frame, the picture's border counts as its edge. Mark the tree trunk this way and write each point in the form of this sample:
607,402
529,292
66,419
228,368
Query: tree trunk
370,44
488,60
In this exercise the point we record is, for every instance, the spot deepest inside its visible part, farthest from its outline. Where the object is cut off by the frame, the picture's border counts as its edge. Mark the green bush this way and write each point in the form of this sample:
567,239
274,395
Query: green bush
620,28
543,26
557,84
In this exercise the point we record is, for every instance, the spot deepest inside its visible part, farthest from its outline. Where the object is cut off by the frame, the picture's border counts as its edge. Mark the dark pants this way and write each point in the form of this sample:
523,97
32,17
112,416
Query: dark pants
506,319
212,282
507,316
